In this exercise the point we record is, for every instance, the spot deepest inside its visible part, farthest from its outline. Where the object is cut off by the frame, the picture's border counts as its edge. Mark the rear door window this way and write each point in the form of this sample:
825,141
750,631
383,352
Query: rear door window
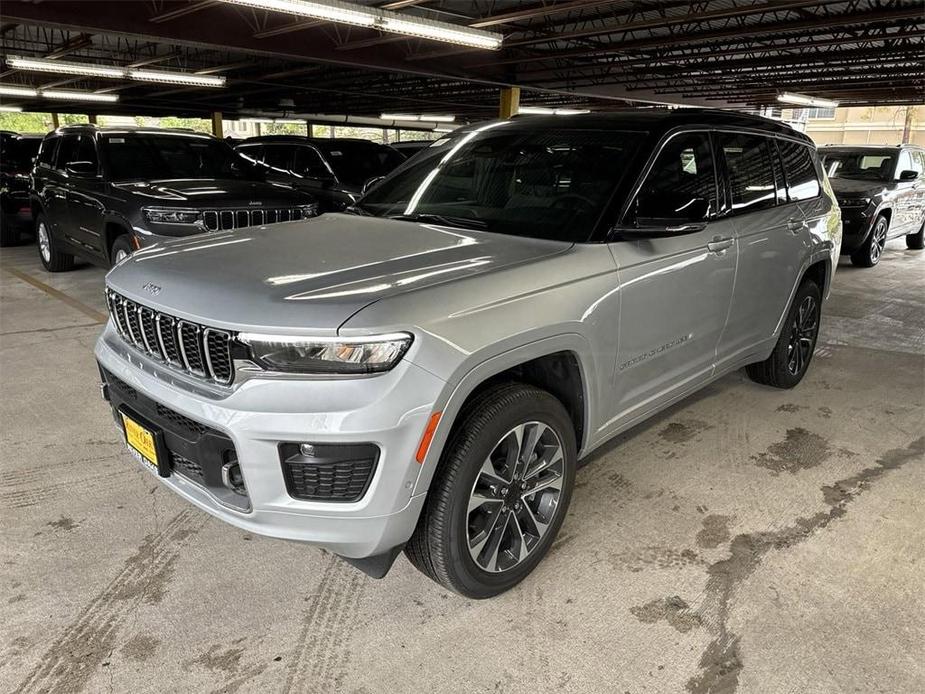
47,153
70,145
750,171
309,163
278,158
86,150
800,170
680,186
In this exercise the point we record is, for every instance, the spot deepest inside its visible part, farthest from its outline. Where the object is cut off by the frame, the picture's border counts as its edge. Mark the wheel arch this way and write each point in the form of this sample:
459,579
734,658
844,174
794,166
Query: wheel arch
560,365
113,228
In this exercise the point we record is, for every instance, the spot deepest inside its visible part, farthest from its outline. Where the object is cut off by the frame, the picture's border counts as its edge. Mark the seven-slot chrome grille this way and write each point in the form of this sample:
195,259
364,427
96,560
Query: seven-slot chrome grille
196,349
216,220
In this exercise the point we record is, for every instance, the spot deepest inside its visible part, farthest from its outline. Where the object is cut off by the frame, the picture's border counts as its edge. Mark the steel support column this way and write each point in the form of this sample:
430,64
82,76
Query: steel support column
510,102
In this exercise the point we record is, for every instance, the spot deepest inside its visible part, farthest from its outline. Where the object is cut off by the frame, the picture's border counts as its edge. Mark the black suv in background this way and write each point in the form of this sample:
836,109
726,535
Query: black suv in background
881,192
101,193
335,170
17,154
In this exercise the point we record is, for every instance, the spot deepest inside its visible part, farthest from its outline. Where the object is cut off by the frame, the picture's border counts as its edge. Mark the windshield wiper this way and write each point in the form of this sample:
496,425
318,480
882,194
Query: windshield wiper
462,222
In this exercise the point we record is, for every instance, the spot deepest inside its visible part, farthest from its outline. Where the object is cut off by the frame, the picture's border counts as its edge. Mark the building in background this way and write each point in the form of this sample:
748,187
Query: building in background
881,125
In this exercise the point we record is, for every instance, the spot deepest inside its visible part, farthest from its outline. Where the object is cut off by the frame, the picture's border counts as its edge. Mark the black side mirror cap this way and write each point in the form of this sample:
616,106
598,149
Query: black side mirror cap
908,175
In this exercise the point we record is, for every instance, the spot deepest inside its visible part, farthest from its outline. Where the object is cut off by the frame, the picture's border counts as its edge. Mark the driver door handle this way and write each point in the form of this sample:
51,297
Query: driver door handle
719,244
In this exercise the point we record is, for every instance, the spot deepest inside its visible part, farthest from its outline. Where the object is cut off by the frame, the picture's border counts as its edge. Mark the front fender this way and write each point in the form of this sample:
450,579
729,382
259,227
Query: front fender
480,367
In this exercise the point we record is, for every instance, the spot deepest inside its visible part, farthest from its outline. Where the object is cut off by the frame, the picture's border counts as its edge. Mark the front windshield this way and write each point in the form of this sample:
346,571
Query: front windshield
552,183
154,157
354,163
868,166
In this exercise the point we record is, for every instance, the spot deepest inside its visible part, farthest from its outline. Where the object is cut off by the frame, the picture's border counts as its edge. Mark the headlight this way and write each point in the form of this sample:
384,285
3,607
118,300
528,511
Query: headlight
171,215
327,355
853,202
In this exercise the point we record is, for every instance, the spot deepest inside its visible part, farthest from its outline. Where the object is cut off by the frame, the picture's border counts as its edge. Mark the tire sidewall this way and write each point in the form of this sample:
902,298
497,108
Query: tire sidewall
122,242
475,581
787,379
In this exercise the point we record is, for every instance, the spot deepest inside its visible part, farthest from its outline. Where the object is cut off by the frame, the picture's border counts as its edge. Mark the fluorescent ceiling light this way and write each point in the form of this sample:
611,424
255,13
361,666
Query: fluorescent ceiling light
804,100
293,121
62,67
383,20
542,111
11,109
427,118
444,130
18,91
177,78
69,95
113,72
296,121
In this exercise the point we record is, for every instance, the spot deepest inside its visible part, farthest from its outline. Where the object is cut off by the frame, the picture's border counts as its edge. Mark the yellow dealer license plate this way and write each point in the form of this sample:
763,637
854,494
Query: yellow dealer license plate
140,440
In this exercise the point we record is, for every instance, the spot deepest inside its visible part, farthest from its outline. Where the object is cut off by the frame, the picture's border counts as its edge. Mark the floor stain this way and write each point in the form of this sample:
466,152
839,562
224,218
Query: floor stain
800,450
721,662
673,610
140,647
715,531
791,407
63,523
655,557
683,430
219,659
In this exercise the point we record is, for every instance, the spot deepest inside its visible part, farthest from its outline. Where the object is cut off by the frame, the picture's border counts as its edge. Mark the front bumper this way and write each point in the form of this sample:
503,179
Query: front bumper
390,410
856,225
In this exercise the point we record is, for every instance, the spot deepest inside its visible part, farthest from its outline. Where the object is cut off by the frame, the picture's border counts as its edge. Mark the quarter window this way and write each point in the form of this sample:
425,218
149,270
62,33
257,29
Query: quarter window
800,169
749,167
680,186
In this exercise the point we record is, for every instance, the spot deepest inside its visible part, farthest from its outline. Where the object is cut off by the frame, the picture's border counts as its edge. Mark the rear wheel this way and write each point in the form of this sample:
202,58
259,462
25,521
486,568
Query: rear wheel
916,241
52,259
788,362
869,253
500,492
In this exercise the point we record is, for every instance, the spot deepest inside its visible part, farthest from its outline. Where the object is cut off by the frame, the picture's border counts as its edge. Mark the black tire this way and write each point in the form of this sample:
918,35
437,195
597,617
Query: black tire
52,259
916,241
778,369
869,253
123,244
440,545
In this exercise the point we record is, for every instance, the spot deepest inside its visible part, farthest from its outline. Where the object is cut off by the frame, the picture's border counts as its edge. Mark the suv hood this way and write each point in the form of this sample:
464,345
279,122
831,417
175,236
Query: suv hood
856,187
214,192
309,277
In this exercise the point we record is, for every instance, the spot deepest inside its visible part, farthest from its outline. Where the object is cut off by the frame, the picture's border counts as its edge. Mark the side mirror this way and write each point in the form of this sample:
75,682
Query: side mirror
371,183
668,213
908,175
81,169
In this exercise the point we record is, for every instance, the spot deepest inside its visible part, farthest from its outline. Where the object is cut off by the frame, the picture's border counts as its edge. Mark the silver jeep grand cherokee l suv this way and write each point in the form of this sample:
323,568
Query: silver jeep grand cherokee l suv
424,372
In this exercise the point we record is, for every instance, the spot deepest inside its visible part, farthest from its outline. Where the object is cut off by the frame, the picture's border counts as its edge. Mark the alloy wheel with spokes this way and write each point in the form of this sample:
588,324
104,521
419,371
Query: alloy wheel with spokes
44,242
878,241
515,496
803,331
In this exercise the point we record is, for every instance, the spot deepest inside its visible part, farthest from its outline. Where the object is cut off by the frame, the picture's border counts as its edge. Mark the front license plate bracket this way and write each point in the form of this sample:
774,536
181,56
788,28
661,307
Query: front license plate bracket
162,454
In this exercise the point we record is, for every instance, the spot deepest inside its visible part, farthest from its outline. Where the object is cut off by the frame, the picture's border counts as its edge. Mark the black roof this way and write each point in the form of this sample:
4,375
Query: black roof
302,139
84,127
872,147
655,120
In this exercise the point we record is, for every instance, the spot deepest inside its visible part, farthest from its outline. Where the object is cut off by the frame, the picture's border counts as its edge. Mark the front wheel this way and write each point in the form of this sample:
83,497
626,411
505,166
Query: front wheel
871,250
52,259
788,362
500,492
121,249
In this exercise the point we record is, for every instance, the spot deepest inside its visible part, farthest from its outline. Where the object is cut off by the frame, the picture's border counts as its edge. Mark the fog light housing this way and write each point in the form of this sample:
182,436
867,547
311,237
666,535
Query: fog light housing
328,472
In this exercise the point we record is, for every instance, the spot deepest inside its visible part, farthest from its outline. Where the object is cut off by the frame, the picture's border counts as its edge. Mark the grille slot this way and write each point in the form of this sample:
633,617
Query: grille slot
220,220
201,351
191,426
185,466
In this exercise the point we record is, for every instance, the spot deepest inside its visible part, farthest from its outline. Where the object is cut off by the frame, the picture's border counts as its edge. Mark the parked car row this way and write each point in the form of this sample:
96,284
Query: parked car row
102,193
423,372
17,155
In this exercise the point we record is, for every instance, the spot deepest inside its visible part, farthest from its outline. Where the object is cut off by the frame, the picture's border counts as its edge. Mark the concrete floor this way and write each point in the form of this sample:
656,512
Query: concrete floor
748,539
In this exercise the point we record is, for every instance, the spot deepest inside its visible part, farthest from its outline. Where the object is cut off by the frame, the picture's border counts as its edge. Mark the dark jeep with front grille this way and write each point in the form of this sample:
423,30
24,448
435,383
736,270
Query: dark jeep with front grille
102,193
